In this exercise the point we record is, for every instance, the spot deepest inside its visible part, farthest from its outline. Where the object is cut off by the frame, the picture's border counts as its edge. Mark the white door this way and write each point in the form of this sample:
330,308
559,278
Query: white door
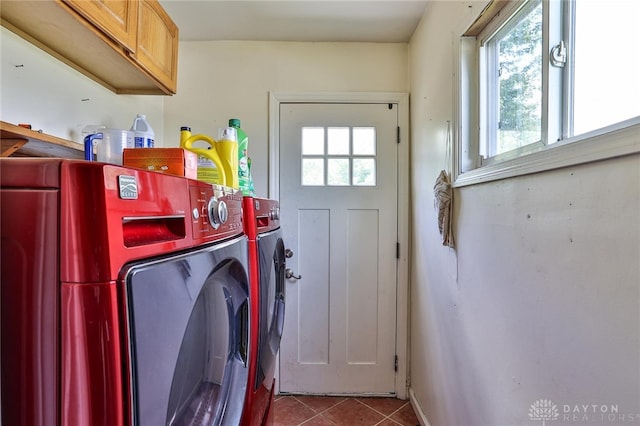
338,201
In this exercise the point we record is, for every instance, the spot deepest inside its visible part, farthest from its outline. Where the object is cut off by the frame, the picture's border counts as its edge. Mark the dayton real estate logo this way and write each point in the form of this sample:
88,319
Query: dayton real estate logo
543,409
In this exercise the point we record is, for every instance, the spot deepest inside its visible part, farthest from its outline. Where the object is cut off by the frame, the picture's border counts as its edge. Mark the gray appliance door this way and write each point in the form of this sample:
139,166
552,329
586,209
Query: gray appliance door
189,333
272,267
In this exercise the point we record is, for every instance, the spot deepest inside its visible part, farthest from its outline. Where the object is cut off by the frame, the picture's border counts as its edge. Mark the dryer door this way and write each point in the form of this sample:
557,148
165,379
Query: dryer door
272,296
189,319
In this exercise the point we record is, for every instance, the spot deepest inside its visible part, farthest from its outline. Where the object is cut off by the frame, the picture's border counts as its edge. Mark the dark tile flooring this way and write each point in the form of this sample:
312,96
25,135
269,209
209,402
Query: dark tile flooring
342,411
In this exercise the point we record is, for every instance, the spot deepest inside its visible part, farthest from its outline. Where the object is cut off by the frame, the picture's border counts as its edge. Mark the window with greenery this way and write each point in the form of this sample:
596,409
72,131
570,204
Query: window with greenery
538,72
514,83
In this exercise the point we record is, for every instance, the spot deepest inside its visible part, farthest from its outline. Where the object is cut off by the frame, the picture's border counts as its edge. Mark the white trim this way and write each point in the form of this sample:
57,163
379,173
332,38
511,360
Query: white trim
466,141
422,418
610,142
402,99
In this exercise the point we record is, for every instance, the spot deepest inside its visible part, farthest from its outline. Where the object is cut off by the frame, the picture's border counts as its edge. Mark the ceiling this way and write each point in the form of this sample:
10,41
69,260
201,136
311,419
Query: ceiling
296,20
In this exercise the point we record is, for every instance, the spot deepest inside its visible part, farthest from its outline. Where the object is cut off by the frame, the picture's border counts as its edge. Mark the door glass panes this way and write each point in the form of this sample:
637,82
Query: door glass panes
338,141
364,171
312,171
606,85
364,141
338,156
338,171
313,141
519,71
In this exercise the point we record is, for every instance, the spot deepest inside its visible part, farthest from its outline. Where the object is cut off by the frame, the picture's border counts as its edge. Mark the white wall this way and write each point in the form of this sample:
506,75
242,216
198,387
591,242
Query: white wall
38,89
232,79
541,298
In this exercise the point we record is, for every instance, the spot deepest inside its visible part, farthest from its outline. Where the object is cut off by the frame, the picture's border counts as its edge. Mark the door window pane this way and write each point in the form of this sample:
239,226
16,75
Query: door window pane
338,141
364,171
312,141
313,171
364,141
349,157
338,171
606,85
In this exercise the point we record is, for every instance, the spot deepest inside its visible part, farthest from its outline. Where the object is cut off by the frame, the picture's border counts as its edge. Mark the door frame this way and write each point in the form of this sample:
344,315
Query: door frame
402,292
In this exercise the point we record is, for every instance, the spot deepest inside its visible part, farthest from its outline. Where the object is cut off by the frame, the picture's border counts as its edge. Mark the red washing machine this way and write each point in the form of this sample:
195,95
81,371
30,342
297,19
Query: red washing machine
125,297
267,266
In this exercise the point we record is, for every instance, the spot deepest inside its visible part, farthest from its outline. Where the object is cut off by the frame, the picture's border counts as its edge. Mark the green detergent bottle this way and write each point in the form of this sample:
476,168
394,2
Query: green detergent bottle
252,191
244,172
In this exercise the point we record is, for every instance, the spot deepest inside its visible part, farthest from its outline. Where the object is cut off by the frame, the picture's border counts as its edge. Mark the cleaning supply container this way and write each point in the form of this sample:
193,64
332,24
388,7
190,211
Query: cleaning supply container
227,147
107,145
143,135
210,168
185,133
243,157
252,191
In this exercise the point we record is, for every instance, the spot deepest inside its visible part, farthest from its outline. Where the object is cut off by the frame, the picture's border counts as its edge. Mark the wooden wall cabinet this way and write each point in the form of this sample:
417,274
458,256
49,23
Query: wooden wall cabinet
157,46
128,46
118,19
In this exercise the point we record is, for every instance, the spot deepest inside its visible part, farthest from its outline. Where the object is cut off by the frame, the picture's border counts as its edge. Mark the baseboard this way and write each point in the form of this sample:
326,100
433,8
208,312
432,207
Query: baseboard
422,418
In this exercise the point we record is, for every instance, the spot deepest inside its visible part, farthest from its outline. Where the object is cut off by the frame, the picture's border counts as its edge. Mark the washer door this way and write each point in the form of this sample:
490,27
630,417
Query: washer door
189,322
272,296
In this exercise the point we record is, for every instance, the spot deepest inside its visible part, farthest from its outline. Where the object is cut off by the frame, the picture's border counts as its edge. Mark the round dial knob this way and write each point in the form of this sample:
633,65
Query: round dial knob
274,214
218,212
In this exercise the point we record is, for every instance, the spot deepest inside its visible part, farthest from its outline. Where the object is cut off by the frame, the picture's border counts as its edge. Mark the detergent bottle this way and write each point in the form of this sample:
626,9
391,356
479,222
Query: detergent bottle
243,157
143,134
227,146
185,133
210,168
252,191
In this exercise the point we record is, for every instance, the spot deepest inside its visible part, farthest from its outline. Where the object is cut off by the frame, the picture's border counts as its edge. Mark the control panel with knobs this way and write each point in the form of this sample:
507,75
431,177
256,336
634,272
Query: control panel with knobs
274,213
218,212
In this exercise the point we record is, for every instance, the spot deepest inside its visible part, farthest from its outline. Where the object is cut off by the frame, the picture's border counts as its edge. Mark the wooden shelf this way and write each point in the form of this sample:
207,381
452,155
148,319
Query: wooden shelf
21,142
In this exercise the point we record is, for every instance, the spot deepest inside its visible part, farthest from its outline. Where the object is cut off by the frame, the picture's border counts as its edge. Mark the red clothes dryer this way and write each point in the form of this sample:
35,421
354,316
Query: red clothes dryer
125,297
267,265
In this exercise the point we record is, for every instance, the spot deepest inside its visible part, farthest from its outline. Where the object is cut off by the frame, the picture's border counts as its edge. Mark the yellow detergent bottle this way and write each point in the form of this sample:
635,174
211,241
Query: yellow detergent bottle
210,167
185,133
227,146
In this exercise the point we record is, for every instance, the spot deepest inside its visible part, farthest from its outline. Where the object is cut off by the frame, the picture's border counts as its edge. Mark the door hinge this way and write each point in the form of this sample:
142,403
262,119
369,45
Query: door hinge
395,363
397,250
398,134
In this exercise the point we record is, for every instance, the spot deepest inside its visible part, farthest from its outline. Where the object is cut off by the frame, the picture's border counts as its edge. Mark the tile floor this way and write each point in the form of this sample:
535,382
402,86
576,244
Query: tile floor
342,411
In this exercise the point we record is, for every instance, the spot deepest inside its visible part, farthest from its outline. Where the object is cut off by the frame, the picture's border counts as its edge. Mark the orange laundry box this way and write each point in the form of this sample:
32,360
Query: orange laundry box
172,161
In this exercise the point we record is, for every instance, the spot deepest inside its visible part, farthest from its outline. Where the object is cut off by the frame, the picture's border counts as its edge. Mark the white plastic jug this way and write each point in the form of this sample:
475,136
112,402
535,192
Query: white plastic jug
107,145
143,135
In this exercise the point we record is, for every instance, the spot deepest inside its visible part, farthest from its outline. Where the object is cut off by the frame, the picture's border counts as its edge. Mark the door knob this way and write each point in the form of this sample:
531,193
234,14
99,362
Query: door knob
288,274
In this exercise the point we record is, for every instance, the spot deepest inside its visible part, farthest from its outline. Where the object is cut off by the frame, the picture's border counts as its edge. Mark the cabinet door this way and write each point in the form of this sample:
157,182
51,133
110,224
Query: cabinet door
157,48
116,18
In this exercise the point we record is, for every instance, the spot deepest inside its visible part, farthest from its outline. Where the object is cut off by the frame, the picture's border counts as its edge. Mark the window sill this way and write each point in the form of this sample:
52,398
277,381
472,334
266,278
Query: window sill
611,142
